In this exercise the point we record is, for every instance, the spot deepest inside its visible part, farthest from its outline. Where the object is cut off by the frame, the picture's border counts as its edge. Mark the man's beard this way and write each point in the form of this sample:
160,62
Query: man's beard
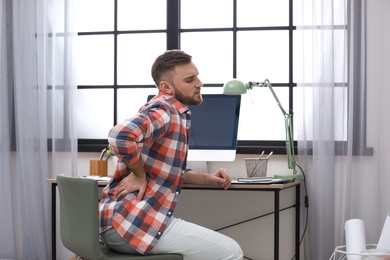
187,100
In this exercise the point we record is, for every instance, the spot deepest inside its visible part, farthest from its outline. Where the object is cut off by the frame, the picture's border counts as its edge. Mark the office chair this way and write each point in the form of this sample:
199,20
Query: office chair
79,222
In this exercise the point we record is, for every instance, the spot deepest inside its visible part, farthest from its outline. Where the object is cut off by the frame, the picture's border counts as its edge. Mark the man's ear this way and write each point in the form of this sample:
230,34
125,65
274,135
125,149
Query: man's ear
166,87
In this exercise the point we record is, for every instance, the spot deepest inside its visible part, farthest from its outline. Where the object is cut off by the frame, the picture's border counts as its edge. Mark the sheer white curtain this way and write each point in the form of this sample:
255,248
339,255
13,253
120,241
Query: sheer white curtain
343,128
37,93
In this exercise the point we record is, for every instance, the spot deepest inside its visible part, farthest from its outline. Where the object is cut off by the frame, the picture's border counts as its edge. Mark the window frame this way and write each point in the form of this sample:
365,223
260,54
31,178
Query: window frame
173,32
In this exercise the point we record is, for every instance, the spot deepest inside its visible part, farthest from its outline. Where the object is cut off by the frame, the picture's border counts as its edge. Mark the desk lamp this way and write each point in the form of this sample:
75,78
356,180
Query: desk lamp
237,87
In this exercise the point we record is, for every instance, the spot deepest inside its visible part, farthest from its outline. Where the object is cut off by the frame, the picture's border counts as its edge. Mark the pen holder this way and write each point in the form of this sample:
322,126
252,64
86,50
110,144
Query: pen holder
256,167
98,167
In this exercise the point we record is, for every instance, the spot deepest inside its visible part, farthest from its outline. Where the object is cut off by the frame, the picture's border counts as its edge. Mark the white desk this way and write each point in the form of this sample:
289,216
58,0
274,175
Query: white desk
250,187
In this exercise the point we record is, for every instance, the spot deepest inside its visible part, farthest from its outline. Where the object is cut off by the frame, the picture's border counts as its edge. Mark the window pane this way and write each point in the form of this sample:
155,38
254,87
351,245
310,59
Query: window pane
340,103
131,100
55,113
142,15
206,14
305,51
262,13
212,90
95,60
302,55
136,54
212,53
56,60
339,55
93,15
260,116
95,115
262,55
303,13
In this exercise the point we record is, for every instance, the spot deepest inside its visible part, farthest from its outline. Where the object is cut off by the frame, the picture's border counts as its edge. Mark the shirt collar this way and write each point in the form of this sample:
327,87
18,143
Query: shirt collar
173,101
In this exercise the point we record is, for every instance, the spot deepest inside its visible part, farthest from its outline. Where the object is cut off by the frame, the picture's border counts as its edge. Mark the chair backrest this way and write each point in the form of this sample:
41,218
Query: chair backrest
79,222
79,216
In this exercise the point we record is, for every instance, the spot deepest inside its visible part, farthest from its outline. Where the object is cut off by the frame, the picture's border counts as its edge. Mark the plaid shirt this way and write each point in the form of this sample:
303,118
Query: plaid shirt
159,135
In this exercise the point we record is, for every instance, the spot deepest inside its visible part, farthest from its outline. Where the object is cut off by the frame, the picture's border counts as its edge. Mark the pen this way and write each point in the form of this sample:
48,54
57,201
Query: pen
102,153
260,163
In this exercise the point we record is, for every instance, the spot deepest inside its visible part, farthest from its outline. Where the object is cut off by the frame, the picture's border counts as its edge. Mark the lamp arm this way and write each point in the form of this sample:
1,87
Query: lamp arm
290,143
266,83
288,127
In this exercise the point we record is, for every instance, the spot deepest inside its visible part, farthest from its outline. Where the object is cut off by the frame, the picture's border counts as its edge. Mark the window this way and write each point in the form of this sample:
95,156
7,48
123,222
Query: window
119,40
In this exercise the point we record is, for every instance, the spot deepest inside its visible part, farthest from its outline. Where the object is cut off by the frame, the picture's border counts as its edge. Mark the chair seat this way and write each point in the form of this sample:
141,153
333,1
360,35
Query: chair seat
111,254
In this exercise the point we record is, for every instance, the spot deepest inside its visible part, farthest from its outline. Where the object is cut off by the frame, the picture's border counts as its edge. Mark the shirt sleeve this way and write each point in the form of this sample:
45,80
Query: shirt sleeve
151,123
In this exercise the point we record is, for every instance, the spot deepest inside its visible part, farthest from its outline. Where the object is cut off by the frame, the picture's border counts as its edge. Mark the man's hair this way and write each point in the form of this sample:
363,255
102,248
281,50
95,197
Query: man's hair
165,64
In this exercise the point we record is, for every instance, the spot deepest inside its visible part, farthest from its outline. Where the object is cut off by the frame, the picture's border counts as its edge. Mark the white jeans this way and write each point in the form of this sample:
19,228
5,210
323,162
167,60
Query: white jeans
192,241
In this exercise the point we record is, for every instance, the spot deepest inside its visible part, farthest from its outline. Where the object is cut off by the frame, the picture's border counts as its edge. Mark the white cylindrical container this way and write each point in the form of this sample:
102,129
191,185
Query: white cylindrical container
355,238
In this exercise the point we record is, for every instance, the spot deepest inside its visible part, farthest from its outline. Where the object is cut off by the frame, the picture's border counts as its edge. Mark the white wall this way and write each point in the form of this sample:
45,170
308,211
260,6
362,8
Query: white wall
378,86
378,58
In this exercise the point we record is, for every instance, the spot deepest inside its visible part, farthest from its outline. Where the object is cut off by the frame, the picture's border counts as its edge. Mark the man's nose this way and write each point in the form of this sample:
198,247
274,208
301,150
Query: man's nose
199,83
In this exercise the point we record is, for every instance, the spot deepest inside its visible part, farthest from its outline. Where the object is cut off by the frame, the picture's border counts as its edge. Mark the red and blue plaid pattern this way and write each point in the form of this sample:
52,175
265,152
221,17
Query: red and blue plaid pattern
159,134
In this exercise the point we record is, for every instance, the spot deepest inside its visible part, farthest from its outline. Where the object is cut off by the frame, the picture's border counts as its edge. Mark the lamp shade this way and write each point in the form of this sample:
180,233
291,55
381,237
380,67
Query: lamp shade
234,87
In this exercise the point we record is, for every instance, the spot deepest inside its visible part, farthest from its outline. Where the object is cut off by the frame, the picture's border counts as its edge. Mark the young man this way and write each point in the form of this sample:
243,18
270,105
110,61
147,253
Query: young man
136,209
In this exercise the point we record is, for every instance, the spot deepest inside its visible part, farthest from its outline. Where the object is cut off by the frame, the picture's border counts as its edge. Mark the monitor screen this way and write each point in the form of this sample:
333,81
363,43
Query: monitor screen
214,127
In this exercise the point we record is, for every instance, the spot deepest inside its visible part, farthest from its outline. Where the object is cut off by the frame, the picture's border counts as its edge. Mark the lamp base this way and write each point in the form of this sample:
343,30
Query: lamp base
288,176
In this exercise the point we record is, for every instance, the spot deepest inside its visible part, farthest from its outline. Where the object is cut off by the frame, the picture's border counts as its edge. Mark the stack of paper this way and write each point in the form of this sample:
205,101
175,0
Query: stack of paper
264,180
97,178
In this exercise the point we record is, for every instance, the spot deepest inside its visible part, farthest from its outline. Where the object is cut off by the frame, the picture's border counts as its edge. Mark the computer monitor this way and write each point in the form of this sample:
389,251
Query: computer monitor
214,127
